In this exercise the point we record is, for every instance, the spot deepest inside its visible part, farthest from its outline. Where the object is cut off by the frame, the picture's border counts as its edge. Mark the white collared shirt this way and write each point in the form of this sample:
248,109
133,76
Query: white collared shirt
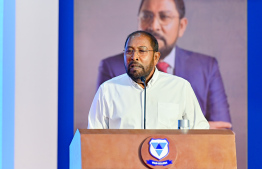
170,59
119,104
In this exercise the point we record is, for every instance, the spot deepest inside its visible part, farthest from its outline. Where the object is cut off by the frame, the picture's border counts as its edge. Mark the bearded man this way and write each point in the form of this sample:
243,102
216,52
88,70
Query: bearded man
118,102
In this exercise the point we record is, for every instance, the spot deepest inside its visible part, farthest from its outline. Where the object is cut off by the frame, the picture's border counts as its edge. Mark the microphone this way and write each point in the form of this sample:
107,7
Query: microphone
143,79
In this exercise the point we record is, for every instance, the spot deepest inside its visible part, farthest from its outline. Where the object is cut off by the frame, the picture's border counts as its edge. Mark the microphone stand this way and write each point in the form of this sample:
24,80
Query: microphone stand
143,79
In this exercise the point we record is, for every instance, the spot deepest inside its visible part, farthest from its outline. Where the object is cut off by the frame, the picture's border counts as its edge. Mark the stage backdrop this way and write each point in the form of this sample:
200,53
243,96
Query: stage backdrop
216,28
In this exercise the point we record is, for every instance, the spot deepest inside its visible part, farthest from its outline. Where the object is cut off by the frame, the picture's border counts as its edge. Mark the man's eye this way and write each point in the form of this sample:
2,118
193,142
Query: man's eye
164,17
129,51
142,51
146,16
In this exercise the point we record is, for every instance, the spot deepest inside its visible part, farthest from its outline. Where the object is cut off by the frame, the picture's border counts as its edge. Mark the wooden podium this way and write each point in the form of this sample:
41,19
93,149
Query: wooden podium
193,149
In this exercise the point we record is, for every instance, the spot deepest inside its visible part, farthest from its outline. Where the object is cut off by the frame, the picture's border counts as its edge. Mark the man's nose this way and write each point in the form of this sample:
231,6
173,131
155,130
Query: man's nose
135,55
155,24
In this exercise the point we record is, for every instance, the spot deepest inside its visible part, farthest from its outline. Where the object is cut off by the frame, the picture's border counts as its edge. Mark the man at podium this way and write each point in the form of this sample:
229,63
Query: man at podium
119,102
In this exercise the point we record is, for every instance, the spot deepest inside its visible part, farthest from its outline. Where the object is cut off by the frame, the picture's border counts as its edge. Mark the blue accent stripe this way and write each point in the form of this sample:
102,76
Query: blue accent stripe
65,82
8,82
1,76
254,83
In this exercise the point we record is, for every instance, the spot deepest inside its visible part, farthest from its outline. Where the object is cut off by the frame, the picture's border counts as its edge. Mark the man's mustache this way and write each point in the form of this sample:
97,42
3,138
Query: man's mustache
134,63
158,36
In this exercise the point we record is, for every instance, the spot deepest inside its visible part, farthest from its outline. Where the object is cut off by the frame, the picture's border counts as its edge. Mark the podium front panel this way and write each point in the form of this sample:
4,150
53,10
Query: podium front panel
107,148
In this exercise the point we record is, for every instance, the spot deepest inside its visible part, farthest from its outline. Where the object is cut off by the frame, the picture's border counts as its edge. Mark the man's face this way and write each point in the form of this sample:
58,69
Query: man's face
137,63
161,18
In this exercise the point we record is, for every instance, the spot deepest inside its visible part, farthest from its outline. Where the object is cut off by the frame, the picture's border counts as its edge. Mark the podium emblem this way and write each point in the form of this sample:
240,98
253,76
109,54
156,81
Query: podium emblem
158,151
159,148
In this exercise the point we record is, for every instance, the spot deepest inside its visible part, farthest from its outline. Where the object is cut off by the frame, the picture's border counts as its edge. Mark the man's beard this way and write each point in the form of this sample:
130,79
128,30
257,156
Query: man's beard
144,71
166,49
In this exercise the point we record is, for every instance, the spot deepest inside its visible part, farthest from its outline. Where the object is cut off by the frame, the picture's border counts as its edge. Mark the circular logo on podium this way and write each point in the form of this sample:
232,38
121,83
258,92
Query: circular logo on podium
158,152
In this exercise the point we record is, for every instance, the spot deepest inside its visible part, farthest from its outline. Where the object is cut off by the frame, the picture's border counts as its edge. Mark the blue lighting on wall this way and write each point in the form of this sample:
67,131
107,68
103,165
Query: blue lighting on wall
65,82
7,82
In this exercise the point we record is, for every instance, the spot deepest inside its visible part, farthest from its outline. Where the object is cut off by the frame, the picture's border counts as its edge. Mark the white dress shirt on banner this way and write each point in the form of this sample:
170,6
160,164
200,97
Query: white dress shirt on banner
170,59
119,104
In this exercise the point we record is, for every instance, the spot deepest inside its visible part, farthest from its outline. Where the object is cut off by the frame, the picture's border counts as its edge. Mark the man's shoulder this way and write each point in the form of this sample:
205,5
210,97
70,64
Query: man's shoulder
119,58
188,54
111,67
169,78
118,80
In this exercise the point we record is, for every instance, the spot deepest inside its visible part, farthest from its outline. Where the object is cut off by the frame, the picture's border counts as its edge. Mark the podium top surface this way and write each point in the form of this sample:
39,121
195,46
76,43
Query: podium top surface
155,132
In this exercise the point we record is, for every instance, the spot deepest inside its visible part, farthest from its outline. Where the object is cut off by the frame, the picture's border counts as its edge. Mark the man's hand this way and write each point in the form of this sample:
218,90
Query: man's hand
219,125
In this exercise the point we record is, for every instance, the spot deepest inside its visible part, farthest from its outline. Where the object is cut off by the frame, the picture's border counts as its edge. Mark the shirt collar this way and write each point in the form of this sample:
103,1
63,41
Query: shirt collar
150,83
154,78
170,58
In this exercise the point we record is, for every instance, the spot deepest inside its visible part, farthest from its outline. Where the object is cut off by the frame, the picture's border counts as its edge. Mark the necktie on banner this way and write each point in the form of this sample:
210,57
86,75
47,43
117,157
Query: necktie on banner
162,66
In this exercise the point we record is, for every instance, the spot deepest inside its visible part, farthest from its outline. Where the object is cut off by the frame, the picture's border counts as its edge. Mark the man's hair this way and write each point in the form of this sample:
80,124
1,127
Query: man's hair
180,6
154,43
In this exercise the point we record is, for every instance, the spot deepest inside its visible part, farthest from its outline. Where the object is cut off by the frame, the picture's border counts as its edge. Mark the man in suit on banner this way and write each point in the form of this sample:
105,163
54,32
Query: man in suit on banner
166,20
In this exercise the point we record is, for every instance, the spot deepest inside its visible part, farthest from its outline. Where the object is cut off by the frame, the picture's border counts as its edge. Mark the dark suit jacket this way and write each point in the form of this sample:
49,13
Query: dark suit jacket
200,70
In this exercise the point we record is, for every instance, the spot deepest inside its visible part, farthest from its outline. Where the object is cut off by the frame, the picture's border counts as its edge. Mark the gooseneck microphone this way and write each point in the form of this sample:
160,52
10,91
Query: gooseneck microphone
143,79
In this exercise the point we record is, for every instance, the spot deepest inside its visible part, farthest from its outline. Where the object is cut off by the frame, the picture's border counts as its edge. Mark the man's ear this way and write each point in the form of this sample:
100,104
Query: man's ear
156,57
182,27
